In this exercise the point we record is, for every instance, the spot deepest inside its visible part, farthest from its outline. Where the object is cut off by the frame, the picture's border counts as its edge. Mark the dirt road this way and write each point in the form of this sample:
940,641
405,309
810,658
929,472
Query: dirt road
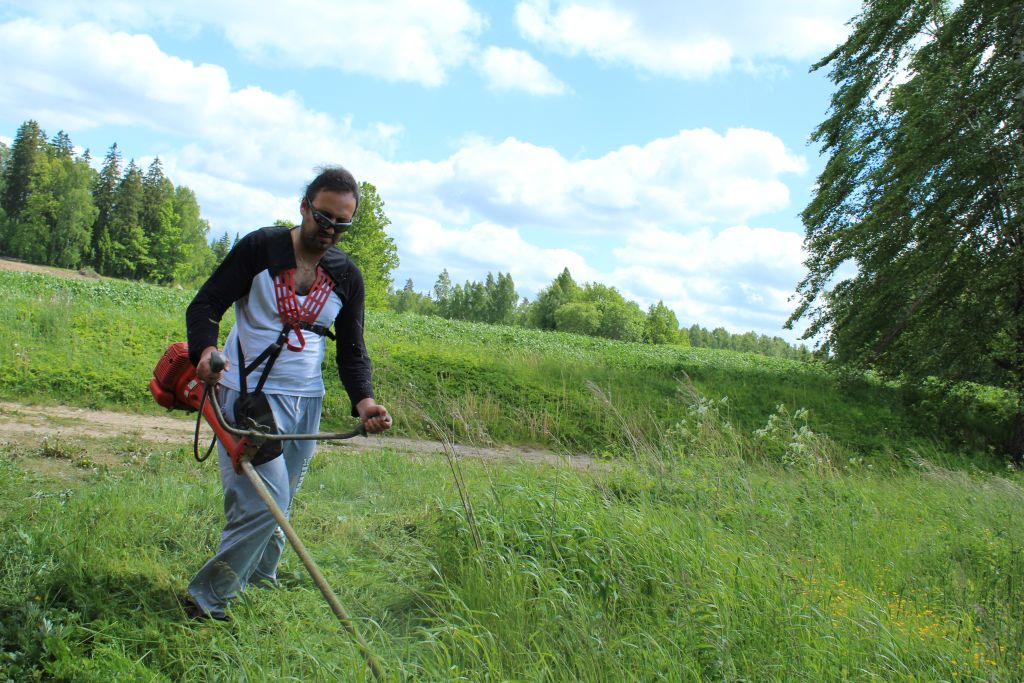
30,424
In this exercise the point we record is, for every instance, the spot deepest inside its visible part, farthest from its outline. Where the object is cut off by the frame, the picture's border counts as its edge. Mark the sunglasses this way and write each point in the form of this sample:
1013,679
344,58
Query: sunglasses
326,222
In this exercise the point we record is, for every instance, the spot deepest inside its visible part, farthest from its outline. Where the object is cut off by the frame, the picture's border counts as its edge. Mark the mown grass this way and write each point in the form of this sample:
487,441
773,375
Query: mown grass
683,565
92,343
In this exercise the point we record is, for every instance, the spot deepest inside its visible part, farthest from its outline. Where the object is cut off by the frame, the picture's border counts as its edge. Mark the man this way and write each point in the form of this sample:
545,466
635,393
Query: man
288,286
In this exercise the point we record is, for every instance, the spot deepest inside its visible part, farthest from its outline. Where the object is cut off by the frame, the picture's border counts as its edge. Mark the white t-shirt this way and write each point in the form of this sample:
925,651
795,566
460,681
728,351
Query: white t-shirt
295,373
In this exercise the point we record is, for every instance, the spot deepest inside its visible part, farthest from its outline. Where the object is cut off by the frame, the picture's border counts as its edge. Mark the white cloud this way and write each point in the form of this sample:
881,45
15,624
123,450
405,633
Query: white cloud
676,39
508,69
697,176
740,278
417,41
84,76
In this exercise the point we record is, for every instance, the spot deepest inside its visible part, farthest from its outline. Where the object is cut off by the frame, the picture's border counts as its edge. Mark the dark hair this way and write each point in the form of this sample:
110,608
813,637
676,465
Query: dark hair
333,179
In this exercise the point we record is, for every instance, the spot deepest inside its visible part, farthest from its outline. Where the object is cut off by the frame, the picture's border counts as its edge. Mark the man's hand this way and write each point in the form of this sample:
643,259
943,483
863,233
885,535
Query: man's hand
375,417
203,370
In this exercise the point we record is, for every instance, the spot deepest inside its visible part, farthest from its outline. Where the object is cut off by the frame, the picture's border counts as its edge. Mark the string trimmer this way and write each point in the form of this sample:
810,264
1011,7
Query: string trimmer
175,385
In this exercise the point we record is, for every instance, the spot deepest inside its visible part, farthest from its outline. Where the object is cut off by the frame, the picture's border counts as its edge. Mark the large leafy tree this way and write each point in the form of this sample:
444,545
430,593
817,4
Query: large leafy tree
562,290
922,196
70,211
619,318
198,259
370,246
661,325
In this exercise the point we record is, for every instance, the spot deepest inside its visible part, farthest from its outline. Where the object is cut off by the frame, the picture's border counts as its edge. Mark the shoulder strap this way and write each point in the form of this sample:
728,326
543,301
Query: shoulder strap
295,318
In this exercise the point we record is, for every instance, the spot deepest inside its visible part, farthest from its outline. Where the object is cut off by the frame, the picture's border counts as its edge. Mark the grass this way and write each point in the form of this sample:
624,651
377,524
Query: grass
760,519
679,567
95,344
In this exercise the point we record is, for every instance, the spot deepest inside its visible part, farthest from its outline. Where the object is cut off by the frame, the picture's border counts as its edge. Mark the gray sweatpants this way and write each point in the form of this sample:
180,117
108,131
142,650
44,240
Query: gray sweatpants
251,543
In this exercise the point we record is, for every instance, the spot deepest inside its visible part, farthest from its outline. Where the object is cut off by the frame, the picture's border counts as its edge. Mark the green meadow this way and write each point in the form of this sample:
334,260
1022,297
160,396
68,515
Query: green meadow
748,518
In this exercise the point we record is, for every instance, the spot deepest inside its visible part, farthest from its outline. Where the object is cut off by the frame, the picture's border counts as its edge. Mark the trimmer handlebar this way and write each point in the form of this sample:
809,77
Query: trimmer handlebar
218,361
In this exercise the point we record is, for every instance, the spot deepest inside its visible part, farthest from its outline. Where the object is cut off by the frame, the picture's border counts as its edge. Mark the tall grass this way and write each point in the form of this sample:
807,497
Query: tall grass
712,554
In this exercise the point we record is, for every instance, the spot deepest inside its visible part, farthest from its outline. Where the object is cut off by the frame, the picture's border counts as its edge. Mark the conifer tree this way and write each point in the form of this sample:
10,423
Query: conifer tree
23,172
160,225
104,194
129,255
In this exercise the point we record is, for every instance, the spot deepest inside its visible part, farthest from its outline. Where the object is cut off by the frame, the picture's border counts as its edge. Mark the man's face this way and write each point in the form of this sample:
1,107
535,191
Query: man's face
336,207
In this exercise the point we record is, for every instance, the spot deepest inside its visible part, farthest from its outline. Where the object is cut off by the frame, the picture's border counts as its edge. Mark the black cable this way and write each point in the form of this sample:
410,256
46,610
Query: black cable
199,420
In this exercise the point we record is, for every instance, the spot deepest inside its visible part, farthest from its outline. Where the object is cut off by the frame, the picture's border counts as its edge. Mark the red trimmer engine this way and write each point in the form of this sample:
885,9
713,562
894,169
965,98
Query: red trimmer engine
176,386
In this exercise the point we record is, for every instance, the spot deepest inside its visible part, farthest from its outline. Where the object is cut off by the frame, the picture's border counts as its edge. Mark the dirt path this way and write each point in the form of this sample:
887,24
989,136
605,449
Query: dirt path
12,264
30,424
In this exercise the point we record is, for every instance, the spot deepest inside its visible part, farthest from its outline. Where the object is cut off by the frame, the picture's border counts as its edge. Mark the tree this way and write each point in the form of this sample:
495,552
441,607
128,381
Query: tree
49,210
578,317
923,192
104,191
198,261
27,150
562,290
620,319
661,325
408,300
5,155
128,246
160,225
25,171
501,298
72,212
368,244
220,248
443,293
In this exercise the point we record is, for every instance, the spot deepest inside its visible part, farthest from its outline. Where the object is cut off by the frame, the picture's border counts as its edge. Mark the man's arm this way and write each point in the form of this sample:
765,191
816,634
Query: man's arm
354,366
228,283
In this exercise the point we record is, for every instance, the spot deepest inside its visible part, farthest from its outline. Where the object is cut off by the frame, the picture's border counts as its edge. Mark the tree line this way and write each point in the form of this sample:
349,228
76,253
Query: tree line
126,222
121,221
591,309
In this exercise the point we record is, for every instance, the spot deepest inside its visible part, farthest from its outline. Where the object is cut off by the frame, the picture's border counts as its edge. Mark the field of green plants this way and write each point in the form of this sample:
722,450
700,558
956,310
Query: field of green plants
757,520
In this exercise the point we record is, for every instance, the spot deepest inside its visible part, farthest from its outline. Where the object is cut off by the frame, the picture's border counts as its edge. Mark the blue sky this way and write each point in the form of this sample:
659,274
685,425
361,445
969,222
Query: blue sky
659,147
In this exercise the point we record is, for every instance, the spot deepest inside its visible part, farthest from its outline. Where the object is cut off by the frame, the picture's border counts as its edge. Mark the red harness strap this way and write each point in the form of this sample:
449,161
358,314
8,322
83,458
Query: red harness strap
288,305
